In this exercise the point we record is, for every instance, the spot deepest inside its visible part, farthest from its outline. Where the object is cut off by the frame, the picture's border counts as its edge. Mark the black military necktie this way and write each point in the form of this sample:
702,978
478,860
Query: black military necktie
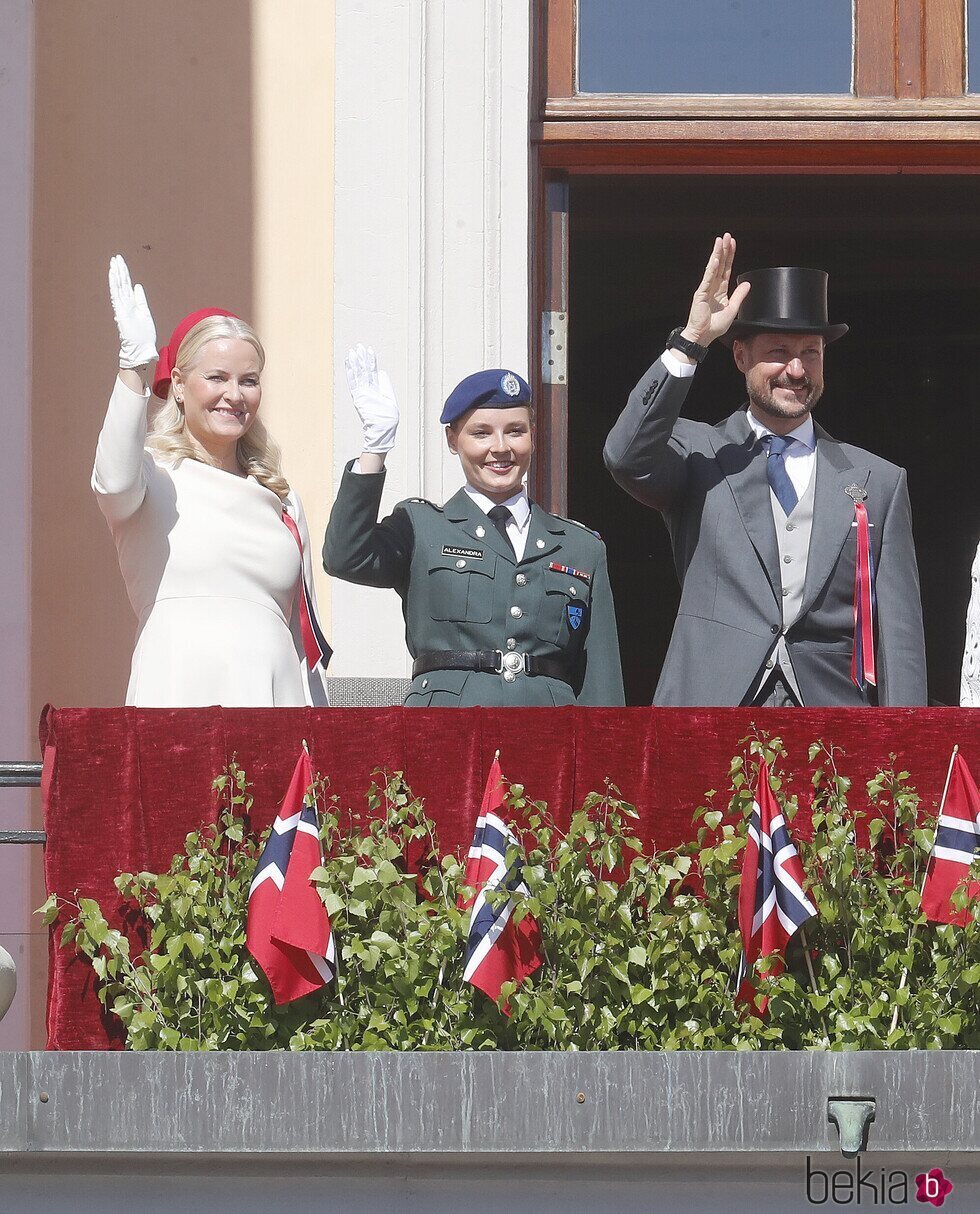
500,516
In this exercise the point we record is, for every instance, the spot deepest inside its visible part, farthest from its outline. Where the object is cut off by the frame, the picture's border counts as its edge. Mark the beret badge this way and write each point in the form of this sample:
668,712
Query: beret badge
510,385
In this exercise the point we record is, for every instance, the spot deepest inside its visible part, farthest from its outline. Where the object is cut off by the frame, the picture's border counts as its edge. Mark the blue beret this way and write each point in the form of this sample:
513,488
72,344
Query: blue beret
497,388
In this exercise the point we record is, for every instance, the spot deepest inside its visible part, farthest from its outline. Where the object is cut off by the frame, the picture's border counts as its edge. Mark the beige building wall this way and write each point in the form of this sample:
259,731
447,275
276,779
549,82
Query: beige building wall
194,137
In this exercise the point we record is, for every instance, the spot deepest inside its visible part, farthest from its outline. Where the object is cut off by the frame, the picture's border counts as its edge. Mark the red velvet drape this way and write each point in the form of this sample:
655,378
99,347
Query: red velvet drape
122,787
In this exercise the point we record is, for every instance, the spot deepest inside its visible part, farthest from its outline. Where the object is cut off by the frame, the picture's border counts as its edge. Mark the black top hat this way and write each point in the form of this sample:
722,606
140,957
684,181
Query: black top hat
785,299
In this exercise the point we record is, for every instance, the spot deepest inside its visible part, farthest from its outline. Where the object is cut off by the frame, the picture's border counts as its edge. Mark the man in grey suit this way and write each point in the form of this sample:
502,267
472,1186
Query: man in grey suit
794,551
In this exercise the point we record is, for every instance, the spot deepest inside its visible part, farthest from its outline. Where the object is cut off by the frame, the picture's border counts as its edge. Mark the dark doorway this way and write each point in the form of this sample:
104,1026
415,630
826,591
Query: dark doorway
904,267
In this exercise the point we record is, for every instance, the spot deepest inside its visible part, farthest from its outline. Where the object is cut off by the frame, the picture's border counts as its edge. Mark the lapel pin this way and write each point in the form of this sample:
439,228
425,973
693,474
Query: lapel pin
856,493
481,532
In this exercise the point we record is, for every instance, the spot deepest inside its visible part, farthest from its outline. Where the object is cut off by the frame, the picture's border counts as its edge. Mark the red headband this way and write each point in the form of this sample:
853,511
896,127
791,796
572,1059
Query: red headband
161,381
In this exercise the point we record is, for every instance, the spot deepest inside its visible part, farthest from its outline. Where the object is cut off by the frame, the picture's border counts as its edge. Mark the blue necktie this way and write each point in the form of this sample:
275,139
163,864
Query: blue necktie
779,480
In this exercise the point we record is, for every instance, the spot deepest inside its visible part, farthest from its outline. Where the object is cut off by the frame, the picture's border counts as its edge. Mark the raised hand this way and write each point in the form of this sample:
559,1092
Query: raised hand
713,310
137,332
373,398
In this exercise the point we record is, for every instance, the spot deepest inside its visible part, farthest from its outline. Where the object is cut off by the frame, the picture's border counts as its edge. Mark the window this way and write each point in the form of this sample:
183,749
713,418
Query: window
867,59
973,46
715,46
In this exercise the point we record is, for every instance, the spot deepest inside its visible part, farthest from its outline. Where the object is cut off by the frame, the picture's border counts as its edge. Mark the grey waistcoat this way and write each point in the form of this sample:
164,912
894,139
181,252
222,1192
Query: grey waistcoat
793,541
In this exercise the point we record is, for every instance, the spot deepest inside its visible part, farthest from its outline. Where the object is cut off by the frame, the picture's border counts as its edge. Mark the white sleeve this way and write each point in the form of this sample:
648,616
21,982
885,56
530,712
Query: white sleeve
119,475
970,677
676,368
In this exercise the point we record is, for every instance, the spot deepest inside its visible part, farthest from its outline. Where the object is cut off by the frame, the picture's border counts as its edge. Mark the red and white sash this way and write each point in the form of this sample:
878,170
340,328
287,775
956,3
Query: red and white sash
316,650
863,670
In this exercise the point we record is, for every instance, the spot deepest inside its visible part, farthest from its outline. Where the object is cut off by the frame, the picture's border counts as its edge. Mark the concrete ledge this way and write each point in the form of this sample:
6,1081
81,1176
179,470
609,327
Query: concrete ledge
531,1104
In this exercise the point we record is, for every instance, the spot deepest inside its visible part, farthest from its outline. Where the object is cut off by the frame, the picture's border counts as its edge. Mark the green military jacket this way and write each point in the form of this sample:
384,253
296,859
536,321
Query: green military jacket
462,588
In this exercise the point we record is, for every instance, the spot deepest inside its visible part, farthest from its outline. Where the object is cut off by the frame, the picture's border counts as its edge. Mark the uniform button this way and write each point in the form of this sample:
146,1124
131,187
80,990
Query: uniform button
572,590
425,683
511,643
787,560
521,579
785,593
509,676
460,564
770,664
774,628
516,612
481,532
540,543
790,526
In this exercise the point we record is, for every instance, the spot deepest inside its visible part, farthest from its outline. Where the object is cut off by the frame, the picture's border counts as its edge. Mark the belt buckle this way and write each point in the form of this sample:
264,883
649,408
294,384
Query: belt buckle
510,664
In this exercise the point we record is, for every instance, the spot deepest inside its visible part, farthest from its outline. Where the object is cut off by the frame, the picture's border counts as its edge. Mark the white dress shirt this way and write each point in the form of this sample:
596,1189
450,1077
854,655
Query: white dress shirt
520,515
801,457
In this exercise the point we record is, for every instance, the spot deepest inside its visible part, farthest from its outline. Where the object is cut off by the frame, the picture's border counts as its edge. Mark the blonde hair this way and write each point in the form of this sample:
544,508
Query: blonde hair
258,453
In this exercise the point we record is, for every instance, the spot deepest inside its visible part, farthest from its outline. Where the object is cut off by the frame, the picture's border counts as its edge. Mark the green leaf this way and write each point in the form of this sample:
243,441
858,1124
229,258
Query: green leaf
635,958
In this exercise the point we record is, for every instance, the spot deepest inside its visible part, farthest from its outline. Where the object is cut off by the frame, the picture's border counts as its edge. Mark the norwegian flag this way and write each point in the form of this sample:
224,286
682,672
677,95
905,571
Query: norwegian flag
497,949
955,848
771,903
288,930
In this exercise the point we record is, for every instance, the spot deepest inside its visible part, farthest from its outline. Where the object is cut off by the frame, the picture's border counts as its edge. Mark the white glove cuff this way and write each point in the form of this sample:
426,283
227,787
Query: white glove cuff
379,440
136,354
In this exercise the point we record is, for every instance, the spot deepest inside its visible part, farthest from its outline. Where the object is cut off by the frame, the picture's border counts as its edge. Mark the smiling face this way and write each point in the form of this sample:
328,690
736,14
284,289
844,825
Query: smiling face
220,393
783,374
495,447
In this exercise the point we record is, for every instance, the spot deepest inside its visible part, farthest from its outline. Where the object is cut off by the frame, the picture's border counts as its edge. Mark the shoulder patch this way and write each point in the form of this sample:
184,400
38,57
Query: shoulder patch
584,528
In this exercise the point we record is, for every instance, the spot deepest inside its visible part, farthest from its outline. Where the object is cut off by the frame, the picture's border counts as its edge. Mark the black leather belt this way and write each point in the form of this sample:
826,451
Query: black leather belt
491,661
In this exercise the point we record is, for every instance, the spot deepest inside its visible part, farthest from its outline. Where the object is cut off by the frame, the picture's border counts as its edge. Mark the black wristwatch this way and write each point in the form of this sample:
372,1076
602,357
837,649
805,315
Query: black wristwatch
690,348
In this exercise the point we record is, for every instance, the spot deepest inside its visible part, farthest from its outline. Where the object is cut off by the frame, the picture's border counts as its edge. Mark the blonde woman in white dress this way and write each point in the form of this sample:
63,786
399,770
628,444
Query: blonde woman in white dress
212,543
970,678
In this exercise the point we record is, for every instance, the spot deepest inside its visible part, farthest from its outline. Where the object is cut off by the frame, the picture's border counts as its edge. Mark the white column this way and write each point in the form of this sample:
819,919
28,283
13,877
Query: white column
17,734
430,242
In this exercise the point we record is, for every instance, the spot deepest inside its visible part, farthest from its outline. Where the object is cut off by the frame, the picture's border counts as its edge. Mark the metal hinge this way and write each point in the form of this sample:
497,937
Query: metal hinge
554,347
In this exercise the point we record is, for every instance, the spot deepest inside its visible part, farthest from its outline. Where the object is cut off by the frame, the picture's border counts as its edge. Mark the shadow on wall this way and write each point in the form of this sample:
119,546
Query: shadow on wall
143,145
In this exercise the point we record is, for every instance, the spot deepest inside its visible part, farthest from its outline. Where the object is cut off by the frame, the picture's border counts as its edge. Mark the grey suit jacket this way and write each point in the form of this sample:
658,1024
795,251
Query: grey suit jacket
713,493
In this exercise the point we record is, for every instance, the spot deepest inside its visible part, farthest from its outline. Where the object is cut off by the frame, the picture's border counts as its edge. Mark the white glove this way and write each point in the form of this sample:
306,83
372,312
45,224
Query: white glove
374,400
137,332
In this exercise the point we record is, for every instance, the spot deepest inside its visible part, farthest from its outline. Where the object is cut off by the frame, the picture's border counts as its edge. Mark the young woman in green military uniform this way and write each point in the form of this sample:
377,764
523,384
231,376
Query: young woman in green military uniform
504,604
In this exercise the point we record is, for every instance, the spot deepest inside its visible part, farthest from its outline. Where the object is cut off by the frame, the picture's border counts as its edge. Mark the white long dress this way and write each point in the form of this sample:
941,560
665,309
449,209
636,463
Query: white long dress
970,678
210,568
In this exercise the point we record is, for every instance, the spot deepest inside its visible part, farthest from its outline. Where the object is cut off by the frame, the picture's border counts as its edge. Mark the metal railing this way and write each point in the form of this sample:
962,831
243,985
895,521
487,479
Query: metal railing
21,775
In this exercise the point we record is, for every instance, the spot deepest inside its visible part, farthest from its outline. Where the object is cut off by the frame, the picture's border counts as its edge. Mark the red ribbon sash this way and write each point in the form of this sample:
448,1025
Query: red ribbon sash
314,650
863,654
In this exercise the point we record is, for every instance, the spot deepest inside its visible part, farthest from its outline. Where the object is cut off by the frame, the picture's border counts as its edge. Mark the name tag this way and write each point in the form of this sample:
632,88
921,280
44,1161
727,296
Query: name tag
475,554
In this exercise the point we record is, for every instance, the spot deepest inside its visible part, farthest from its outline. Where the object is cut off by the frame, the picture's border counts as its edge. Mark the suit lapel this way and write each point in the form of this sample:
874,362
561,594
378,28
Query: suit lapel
544,535
744,466
833,513
462,510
